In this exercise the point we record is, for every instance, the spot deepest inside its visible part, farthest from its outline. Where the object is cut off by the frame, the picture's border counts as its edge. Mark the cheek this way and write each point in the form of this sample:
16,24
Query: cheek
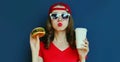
65,23
54,24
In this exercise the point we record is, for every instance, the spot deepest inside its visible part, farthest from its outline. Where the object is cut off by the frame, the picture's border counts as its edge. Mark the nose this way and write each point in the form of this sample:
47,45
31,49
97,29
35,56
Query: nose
59,18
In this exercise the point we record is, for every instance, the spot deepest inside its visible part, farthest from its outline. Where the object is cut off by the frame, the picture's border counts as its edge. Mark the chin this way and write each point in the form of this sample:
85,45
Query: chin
60,29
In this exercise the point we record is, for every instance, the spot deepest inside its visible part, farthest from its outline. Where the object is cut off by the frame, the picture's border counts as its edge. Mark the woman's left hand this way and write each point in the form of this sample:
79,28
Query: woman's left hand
84,50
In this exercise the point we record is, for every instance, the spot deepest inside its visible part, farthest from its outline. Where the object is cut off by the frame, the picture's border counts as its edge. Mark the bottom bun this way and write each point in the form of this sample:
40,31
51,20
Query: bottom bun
40,34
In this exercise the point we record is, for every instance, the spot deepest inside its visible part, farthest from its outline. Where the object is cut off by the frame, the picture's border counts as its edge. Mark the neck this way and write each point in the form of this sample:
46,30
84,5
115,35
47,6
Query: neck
60,36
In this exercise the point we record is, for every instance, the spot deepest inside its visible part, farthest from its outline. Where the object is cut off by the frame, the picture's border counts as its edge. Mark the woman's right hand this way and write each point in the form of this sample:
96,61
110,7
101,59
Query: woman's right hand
34,44
35,47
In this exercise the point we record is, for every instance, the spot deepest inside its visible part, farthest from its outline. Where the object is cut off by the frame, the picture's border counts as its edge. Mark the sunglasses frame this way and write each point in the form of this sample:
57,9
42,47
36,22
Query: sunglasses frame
58,15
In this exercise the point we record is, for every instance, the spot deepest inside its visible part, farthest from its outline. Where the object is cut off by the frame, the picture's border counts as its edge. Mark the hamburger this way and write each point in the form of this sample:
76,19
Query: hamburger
39,31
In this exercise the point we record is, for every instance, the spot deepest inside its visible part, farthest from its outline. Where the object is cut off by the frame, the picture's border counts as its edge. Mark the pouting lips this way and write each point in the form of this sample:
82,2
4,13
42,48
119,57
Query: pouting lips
60,24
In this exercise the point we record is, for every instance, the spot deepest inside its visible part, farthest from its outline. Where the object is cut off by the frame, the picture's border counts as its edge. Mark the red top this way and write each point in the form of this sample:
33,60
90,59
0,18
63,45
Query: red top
53,54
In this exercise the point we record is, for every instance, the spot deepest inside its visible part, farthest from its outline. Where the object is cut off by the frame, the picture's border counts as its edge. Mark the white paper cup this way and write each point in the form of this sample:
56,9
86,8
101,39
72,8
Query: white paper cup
80,34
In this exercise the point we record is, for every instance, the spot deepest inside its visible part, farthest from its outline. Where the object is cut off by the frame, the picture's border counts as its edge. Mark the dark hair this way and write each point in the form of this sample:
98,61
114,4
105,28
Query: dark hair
70,33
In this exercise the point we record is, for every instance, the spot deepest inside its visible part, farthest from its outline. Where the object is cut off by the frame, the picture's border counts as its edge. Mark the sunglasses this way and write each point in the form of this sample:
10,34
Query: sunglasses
57,15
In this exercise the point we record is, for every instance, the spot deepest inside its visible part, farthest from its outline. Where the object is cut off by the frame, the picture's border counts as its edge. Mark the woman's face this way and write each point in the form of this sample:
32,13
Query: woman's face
59,19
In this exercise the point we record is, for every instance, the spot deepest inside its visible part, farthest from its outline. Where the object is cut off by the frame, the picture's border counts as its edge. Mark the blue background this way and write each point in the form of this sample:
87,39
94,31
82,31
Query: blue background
100,17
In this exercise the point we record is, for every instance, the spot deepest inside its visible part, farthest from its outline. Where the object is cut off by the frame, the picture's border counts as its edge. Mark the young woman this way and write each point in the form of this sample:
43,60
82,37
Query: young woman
59,42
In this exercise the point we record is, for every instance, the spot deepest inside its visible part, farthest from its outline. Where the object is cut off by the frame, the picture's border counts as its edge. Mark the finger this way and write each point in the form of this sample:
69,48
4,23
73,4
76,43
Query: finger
31,39
38,42
38,38
84,49
31,42
83,45
86,41
86,46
